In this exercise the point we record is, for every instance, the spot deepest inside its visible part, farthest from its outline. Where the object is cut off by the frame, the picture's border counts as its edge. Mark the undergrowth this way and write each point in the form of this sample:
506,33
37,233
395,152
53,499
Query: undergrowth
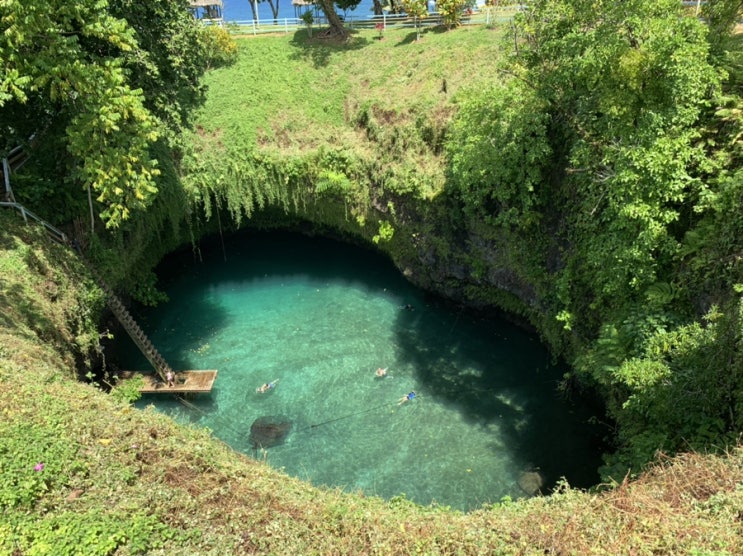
372,115
84,473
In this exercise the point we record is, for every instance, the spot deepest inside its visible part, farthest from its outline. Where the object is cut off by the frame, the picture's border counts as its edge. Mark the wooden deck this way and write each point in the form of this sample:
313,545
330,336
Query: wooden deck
186,382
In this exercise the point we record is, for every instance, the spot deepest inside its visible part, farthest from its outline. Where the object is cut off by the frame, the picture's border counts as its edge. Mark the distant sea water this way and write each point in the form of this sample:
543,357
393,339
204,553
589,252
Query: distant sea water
239,10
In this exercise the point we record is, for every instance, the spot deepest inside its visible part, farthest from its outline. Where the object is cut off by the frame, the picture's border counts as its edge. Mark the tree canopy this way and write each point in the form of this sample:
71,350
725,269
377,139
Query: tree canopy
613,151
100,82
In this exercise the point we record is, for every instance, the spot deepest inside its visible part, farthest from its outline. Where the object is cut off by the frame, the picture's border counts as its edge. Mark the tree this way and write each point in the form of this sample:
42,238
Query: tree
417,9
168,71
96,86
628,83
274,9
389,6
336,28
254,8
346,5
630,89
60,61
308,19
500,156
451,12
722,17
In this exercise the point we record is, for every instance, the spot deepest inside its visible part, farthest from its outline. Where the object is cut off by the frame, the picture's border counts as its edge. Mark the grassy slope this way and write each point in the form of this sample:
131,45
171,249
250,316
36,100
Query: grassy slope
309,88
287,96
120,480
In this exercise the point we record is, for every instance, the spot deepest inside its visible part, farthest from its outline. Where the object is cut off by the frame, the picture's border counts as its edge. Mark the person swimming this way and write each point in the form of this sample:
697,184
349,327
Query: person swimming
380,372
266,387
406,398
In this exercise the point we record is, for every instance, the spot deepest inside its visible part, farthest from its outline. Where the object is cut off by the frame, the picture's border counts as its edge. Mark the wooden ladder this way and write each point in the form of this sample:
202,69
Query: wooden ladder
135,332
14,160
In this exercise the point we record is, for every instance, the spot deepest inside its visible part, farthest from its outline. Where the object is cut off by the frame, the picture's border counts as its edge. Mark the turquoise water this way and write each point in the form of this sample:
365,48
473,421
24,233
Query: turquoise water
321,317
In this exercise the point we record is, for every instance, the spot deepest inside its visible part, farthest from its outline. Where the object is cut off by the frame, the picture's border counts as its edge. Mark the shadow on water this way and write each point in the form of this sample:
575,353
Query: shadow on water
172,333
496,374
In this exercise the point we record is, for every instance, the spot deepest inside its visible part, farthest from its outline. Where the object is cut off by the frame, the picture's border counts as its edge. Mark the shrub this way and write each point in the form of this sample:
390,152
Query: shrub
220,49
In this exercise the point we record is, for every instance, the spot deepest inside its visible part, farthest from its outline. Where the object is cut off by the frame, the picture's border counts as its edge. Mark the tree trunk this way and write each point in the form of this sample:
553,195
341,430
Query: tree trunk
92,218
336,25
274,11
252,9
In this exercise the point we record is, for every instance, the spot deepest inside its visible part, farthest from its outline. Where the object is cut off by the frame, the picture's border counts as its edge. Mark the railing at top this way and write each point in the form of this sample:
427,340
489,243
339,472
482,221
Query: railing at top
15,159
483,15
487,16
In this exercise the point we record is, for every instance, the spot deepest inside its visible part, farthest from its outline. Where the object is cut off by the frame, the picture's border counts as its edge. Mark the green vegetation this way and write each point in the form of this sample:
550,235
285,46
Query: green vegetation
580,168
81,472
634,87
297,98
93,87
592,164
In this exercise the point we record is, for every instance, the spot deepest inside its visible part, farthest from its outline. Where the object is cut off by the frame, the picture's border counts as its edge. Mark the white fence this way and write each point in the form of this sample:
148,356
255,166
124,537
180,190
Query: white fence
483,15
486,16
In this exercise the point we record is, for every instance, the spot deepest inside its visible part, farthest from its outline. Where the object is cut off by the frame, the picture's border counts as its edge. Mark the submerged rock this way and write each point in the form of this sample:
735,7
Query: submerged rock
531,482
269,431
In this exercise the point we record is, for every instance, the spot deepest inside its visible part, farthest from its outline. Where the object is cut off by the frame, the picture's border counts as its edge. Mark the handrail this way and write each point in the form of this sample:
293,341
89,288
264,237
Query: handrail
117,307
6,179
56,233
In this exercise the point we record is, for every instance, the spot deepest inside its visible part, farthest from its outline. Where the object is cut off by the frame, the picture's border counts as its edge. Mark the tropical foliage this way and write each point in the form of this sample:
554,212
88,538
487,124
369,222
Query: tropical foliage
417,9
451,11
500,155
93,86
616,145
83,473
598,166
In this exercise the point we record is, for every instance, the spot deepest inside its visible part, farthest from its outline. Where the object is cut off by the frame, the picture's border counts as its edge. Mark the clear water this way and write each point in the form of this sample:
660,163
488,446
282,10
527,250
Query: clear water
321,317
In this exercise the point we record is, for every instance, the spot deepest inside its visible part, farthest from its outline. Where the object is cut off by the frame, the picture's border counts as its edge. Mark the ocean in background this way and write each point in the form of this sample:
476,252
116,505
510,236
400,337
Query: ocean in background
239,10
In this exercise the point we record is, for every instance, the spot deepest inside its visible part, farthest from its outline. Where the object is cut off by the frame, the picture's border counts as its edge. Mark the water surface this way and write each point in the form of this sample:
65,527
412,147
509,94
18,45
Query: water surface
320,317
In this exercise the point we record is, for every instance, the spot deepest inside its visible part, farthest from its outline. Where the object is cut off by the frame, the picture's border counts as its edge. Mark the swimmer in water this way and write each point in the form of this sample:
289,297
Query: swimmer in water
266,387
380,372
406,398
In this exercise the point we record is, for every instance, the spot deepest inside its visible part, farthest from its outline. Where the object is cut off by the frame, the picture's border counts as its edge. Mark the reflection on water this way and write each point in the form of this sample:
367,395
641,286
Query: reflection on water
319,318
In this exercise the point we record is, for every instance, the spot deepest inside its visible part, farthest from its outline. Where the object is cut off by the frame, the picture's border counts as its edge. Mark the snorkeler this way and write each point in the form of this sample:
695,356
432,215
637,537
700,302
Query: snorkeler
380,372
266,387
406,398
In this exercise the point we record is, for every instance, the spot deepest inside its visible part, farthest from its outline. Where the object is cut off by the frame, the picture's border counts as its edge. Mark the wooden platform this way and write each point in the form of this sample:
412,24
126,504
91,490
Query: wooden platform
186,382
